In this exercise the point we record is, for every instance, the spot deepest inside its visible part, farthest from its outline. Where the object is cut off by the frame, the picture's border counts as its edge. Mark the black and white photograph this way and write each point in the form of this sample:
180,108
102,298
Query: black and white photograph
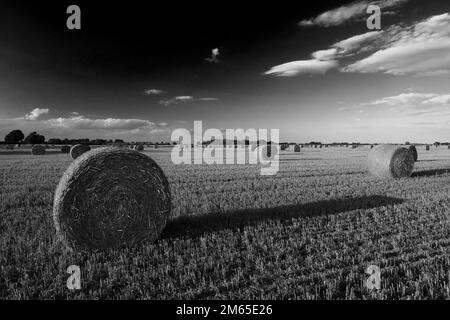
241,152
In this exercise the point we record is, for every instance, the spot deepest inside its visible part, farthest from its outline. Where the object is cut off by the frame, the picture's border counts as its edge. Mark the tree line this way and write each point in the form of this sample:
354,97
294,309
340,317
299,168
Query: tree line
17,137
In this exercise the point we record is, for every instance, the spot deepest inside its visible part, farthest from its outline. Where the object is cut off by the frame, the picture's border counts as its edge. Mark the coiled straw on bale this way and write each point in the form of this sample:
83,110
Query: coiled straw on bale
390,161
110,198
38,149
65,149
78,149
139,147
413,151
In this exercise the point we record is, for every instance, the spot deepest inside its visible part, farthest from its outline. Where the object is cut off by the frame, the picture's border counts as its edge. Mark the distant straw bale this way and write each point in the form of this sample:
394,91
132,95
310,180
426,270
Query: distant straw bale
78,149
413,150
390,161
38,149
65,149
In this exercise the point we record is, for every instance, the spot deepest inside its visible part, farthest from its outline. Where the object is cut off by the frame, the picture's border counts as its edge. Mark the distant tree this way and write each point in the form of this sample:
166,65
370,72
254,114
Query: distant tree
54,141
14,137
407,143
118,141
34,138
98,142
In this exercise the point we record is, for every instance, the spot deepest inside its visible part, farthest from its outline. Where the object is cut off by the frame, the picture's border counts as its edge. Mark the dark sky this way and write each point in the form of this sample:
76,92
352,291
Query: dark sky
103,70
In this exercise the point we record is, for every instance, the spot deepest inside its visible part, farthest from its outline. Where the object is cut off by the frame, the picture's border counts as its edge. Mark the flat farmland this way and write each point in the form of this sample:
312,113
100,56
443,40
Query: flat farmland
308,232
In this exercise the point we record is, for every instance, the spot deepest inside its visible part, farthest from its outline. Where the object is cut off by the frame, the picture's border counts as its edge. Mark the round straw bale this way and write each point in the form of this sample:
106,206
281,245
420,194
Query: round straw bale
109,198
413,150
390,161
9,147
38,149
297,148
139,147
427,148
78,149
65,149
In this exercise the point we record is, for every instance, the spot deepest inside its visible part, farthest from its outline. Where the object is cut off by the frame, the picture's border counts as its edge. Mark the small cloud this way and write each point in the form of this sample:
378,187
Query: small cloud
208,99
184,98
294,68
75,113
153,92
176,100
214,56
163,124
36,113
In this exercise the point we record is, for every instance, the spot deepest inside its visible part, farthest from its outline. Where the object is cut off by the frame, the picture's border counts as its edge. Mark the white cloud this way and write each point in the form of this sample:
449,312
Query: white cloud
420,49
181,99
36,113
81,122
354,43
294,68
324,60
347,13
328,54
410,108
208,99
83,127
153,92
214,56
404,99
184,98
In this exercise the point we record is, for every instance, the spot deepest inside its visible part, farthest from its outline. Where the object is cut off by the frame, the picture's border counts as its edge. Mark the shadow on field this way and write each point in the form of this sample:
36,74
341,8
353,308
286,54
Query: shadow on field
430,173
197,225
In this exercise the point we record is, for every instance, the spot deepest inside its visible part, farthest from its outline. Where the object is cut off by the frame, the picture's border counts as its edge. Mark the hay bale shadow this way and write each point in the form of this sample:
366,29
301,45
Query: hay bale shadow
431,173
194,226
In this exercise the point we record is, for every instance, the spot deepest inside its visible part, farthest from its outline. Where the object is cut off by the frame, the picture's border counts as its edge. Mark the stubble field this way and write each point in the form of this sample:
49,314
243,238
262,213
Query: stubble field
308,232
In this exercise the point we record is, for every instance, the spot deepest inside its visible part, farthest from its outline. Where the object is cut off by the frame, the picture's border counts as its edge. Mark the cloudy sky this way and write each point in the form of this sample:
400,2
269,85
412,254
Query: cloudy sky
313,70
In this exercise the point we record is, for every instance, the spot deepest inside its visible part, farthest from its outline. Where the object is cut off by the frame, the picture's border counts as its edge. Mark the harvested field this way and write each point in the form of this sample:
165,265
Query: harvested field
308,232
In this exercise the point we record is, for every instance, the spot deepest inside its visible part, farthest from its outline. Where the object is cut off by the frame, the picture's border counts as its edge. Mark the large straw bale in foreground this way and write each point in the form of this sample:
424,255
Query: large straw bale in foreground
390,161
78,149
38,149
109,198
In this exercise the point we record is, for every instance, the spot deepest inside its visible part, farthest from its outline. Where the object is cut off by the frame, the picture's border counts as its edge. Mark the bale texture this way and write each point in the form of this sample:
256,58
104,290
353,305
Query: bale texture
65,149
78,149
110,198
390,161
38,149
413,151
